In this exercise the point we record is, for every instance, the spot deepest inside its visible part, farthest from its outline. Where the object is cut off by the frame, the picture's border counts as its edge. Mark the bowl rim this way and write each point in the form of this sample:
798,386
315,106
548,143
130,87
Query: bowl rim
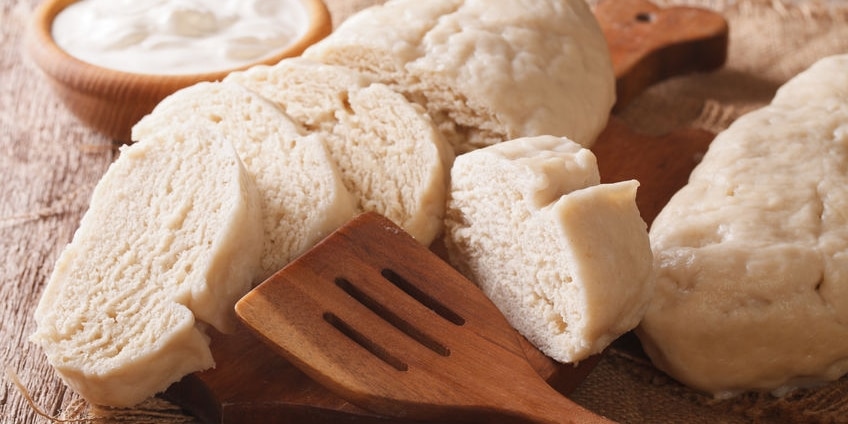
56,62
111,101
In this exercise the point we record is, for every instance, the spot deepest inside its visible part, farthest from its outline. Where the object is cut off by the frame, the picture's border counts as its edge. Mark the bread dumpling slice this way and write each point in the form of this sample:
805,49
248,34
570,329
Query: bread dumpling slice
303,198
170,241
566,259
486,71
390,155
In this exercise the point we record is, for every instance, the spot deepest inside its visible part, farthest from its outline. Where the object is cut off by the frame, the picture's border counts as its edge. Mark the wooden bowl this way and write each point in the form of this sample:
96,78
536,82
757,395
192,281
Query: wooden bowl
111,101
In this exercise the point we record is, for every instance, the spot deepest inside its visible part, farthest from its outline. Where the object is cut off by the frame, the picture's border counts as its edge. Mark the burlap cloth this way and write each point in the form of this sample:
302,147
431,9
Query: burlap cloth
49,164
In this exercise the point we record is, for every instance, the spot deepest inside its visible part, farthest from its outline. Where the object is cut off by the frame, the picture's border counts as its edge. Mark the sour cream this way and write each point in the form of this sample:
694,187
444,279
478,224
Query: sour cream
178,36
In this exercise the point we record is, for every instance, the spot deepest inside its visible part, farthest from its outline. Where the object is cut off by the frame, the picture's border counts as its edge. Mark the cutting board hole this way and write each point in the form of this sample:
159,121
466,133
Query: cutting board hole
645,17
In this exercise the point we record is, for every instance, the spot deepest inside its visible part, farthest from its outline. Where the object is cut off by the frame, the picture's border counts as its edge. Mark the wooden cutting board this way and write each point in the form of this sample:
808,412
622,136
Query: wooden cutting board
251,384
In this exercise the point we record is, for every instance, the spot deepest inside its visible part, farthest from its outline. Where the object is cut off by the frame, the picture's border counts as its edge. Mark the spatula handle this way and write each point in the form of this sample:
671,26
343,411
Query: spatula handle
547,406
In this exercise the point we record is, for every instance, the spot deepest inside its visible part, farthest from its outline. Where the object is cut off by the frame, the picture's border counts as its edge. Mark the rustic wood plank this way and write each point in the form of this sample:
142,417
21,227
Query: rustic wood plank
49,164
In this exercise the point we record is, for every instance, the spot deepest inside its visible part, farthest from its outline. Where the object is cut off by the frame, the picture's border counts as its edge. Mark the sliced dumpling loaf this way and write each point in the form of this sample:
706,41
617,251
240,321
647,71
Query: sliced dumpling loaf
303,197
390,155
566,259
171,240
486,71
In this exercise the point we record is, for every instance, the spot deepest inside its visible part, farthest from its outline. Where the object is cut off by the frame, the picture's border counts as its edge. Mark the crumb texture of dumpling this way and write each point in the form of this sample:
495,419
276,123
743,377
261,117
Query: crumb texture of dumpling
170,241
389,154
302,194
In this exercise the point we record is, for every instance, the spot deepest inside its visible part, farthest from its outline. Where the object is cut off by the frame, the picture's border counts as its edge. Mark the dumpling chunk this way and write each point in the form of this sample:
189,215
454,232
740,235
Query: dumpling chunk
565,258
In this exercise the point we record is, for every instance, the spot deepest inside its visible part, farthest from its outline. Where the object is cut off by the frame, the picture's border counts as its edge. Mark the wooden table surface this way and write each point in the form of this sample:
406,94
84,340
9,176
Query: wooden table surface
49,164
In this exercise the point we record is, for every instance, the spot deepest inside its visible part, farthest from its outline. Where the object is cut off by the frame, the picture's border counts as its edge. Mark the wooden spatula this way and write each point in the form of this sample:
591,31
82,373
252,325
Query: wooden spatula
382,321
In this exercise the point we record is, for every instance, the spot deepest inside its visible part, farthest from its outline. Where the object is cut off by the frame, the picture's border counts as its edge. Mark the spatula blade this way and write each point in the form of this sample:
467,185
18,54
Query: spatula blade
379,319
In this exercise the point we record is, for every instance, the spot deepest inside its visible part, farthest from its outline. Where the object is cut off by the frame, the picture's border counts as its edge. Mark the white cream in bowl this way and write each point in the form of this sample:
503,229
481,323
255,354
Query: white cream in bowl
178,36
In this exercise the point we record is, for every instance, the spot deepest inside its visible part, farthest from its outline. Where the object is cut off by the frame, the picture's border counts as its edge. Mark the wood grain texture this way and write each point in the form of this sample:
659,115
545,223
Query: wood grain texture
649,43
50,164
661,164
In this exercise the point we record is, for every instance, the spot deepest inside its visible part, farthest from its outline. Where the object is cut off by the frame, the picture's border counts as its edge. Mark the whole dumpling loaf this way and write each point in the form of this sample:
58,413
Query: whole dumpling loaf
486,71
565,258
752,254
171,240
